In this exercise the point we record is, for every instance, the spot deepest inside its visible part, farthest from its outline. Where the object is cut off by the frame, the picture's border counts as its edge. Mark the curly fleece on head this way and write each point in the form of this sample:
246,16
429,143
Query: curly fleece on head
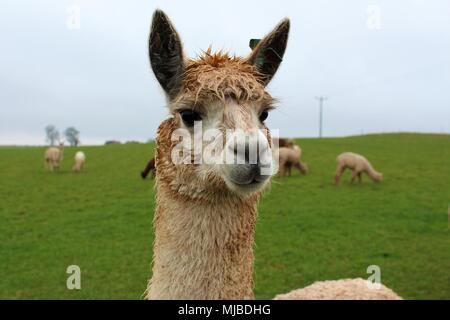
220,76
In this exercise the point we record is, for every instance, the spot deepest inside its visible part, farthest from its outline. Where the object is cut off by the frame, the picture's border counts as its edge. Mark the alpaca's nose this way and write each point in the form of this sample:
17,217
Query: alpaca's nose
247,160
244,174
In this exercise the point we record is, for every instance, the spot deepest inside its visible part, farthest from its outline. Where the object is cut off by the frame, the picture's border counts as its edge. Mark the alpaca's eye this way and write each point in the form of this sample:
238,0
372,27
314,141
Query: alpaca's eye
189,116
263,116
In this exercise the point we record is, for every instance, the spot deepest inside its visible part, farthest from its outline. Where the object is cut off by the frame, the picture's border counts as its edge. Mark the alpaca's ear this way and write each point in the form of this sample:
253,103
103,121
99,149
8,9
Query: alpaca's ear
166,54
268,53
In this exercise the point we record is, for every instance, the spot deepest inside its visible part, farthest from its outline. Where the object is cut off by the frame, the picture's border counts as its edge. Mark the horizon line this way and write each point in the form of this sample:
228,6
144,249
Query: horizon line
299,137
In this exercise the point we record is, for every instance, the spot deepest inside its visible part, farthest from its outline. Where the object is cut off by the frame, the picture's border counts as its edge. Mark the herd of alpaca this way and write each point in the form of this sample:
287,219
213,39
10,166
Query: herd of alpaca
205,215
289,155
53,157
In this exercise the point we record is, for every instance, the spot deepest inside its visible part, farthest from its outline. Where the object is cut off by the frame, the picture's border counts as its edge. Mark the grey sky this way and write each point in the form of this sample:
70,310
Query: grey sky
98,78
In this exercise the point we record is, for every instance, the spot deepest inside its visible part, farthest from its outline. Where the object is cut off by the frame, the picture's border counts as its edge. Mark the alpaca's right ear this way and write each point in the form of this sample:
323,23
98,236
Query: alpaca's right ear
166,54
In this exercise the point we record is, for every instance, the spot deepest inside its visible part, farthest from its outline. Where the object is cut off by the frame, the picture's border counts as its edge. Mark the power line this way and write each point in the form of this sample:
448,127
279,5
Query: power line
321,100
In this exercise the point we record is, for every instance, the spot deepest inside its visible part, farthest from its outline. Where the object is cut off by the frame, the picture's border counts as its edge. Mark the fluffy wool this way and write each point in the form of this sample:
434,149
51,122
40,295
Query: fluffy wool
345,289
218,76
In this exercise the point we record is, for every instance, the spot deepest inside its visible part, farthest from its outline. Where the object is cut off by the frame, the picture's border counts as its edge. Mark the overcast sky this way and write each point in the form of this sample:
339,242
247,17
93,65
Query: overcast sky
384,65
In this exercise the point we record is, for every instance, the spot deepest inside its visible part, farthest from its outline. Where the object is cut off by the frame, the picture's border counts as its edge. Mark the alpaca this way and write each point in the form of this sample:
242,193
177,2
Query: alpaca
205,214
80,159
358,164
290,157
53,157
150,167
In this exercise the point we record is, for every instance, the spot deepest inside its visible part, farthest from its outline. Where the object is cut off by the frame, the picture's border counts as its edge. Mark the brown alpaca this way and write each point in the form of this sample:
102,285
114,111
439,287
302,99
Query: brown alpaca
205,214
150,167
53,157
358,164
290,157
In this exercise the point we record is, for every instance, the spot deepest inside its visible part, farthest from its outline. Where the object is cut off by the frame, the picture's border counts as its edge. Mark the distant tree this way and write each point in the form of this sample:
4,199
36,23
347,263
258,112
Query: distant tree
73,136
52,134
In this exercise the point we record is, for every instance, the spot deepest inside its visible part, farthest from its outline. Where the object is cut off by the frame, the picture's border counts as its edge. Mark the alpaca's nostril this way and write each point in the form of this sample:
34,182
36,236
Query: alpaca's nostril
255,169
245,174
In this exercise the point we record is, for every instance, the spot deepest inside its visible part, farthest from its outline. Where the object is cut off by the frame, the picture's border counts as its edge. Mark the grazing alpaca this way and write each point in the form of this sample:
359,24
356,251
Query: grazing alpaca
150,167
206,213
80,159
290,157
358,164
53,157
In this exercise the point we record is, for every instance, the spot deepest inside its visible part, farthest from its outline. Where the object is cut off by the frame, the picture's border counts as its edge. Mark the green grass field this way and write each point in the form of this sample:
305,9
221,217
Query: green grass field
308,229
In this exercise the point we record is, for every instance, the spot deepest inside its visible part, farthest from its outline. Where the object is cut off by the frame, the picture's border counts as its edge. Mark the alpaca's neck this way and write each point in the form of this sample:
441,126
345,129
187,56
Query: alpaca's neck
202,250
204,238
375,175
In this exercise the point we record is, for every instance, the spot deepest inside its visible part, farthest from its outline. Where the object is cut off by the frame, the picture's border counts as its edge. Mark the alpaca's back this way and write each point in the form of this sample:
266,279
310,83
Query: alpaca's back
353,161
345,289
291,155
80,159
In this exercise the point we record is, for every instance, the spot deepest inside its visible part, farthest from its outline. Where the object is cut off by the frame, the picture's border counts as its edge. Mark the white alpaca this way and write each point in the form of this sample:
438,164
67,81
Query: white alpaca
358,165
80,159
53,157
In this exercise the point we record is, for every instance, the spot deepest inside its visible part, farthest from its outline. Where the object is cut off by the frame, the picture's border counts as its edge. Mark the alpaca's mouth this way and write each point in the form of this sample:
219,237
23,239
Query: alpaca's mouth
253,182
245,182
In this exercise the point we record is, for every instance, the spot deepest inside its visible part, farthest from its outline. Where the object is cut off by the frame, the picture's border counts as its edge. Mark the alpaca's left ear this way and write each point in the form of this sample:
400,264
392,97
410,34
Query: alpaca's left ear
268,54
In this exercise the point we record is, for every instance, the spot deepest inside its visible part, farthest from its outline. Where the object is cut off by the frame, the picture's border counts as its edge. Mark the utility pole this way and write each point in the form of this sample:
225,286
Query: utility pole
321,100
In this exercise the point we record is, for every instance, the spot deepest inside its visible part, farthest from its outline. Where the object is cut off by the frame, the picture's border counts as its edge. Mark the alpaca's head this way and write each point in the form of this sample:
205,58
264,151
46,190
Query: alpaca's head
378,177
218,105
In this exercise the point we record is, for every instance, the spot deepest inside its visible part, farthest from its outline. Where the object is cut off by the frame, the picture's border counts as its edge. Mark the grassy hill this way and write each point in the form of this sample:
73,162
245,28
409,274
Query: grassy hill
308,229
